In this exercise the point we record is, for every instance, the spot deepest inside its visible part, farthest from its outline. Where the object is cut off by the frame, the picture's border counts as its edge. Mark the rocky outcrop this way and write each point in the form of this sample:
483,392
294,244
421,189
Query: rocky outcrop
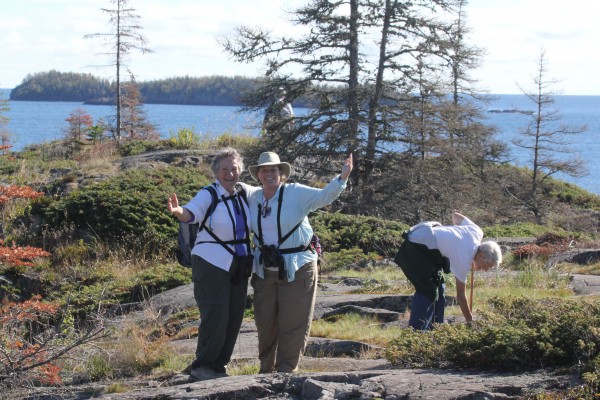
341,369
388,384
579,256
167,157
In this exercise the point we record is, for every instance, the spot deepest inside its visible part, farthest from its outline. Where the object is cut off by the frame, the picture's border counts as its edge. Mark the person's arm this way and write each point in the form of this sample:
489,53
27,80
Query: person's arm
457,218
461,297
182,214
311,199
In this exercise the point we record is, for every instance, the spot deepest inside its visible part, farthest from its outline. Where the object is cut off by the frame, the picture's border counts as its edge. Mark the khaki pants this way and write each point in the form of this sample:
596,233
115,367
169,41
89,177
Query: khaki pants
283,313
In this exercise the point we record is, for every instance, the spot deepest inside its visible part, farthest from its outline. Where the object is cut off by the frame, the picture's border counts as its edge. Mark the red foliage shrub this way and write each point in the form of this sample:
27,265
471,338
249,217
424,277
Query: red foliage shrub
10,192
22,351
544,246
20,256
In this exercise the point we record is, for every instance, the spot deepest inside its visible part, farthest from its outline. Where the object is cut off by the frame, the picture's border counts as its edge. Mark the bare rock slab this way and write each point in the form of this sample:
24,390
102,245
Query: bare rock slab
378,384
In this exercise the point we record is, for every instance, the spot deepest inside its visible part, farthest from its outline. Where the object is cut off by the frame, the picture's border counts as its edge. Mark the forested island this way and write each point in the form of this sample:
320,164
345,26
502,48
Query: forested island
87,88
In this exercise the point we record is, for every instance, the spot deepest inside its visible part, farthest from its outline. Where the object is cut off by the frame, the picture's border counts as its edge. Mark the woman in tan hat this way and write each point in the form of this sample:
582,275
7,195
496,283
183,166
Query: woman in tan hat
285,267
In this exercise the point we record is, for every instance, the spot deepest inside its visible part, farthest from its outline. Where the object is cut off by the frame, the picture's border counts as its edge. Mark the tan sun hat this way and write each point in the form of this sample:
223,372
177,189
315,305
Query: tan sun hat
269,158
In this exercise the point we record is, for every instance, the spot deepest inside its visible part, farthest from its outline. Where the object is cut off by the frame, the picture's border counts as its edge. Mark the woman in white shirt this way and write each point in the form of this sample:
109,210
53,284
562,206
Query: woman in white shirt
222,246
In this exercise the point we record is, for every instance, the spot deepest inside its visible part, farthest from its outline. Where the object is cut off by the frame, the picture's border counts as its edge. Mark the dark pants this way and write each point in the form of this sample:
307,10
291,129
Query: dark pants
221,304
423,268
424,311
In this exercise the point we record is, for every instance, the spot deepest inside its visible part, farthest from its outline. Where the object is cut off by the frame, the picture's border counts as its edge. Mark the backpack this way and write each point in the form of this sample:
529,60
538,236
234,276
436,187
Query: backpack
186,238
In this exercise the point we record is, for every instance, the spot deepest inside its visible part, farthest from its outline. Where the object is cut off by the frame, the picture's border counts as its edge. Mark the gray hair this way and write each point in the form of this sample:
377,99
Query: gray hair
491,252
224,153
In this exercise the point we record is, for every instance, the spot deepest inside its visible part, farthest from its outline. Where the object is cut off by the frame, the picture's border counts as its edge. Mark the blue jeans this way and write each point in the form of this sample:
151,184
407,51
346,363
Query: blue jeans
424,311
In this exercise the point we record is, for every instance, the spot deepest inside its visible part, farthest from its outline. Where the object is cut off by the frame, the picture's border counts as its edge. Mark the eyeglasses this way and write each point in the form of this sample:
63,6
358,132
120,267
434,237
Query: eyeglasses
266,209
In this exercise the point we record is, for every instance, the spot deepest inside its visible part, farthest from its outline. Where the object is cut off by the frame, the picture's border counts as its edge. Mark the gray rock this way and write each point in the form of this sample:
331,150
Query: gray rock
321,347
380,314
176,157
582,256
386,384
585,284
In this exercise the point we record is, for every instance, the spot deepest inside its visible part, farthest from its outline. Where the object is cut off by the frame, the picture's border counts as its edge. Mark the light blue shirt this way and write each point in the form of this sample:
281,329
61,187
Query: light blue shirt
298,201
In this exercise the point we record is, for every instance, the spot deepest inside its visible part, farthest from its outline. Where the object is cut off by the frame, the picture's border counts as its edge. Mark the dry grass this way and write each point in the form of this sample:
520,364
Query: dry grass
589,269
354,327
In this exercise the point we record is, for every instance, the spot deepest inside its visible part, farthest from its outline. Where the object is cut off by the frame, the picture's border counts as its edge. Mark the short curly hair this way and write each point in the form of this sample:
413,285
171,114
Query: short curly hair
224,153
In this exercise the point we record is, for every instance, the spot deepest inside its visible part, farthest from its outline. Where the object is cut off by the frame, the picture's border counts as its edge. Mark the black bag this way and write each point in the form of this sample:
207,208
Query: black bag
186,237
241,268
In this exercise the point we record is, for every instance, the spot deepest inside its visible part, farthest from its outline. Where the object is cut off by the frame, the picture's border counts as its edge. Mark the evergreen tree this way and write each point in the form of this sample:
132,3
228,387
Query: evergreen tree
356,111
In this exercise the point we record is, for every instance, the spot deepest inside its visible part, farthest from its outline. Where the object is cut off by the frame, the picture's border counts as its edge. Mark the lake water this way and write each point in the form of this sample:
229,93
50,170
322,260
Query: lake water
35,122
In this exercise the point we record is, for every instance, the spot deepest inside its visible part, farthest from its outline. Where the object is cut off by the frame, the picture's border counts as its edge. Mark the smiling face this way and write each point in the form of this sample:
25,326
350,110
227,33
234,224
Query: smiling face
270,177
228,173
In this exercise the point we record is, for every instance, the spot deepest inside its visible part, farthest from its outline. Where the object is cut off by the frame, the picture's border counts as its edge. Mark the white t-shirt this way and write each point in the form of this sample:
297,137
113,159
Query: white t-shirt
459,244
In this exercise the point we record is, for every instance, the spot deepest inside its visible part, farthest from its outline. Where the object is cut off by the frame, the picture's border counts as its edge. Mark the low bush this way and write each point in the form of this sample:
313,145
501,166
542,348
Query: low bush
137,147
133,203
516,334
371,234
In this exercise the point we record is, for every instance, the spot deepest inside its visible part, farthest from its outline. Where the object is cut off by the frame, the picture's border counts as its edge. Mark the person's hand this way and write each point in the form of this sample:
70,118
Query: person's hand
346,168
173,206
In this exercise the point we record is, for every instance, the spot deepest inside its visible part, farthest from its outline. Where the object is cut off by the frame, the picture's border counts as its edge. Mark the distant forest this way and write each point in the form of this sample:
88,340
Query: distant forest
86,88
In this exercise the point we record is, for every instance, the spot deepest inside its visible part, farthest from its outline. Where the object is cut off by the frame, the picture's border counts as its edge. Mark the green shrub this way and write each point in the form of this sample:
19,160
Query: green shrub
103,289
7,166
339,231
571,194
131,204
137,147
239,141
518,230
98,367
185,138
335,260
517,334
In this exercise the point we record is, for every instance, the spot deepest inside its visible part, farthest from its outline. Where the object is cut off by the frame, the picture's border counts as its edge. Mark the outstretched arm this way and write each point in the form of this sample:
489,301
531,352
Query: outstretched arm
174,208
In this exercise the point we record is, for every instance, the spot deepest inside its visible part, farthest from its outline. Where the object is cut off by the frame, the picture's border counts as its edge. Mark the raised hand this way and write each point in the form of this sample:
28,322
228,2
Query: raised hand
346,167
173,206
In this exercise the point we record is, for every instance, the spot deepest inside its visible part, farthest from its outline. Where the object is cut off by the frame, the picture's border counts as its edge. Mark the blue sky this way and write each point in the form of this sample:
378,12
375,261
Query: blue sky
40,35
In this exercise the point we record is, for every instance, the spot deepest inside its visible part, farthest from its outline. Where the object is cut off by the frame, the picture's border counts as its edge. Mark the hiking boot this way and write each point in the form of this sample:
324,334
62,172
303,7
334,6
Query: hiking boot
203,373
221,371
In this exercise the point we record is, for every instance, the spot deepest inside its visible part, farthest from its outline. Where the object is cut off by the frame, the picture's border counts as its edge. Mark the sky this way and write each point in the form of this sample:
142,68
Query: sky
44,35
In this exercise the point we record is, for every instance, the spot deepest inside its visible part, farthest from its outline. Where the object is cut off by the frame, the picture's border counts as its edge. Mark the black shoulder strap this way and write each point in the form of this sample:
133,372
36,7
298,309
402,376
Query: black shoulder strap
218,240
242,193
215,200
280,238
